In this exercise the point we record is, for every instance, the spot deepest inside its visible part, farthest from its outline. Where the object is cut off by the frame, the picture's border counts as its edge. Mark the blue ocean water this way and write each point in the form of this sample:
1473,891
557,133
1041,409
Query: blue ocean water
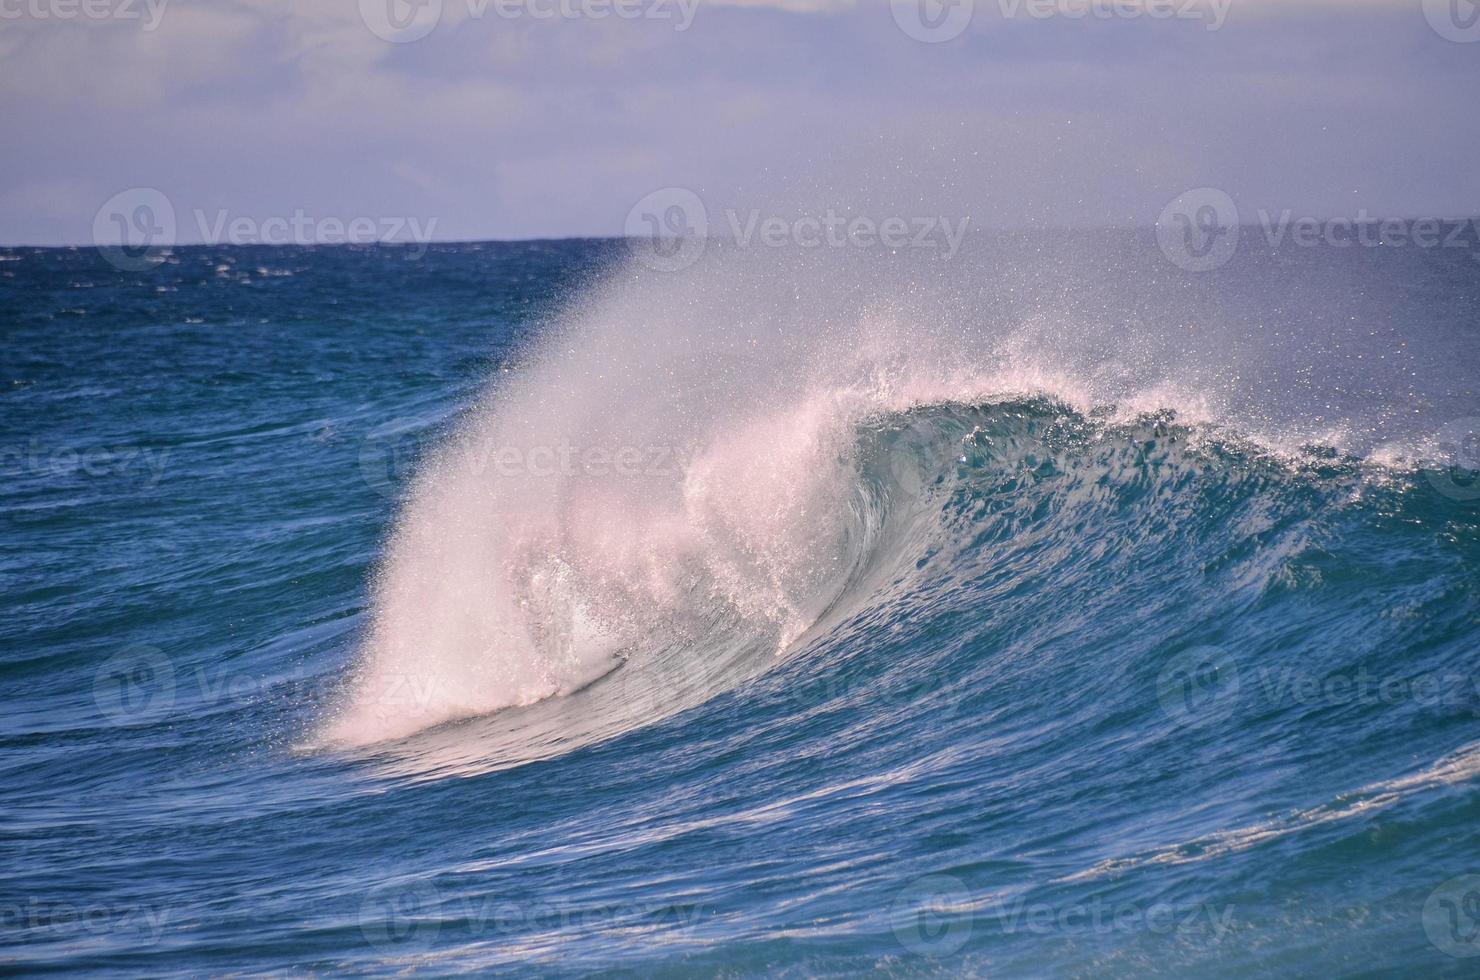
515,607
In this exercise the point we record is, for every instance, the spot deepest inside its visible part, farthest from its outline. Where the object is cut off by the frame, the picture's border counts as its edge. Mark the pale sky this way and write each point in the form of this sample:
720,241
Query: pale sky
501,124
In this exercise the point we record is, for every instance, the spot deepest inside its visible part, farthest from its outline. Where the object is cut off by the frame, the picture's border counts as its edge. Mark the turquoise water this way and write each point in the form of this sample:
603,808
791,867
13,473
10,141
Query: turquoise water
515,607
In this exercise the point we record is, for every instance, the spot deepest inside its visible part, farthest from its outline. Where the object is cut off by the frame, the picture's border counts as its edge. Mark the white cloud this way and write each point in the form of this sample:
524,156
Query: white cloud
503,127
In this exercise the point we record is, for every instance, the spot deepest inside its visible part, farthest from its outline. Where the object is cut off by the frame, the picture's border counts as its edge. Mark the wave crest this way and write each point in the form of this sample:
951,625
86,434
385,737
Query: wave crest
690,474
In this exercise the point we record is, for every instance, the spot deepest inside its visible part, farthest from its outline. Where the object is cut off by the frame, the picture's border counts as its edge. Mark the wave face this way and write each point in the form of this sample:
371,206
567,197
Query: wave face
516,608
691,471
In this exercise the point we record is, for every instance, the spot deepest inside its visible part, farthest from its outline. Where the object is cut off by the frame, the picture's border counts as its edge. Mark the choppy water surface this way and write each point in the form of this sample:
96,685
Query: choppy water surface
1046,611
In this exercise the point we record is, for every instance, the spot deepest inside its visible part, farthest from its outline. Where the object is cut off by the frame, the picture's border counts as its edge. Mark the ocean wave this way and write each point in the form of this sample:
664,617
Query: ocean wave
687,479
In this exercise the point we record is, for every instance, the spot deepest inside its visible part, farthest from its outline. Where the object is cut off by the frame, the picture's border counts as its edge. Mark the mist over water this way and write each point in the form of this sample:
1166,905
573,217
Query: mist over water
674,474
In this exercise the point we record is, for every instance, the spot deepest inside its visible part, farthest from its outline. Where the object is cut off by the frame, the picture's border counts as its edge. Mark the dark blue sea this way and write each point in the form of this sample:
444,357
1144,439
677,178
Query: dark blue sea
513,608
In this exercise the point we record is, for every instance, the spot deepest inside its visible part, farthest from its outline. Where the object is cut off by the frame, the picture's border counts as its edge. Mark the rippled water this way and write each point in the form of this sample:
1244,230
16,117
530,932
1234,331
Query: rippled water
514,607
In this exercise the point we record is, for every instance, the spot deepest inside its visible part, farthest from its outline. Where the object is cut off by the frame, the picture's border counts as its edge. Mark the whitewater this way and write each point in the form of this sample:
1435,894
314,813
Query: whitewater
687,470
